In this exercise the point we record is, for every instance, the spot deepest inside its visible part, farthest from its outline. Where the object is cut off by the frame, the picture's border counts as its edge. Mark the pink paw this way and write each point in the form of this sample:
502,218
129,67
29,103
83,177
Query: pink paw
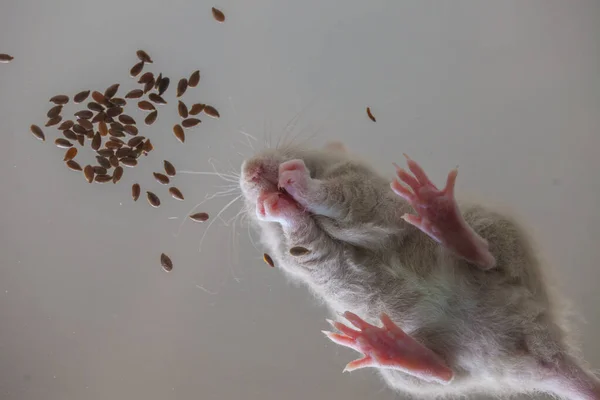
277,207
294,178
438,214
389,347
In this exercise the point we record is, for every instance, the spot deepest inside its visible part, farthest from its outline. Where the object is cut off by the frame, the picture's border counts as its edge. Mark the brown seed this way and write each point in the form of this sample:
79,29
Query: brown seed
117,133
70,154
176,193
148,86
125,152
156,98
135,191
211,111
117,126
190,122
178,132
126,119
131,129
37,132
143,56
102,128
95,106
88,172
370,114
268,260
73,165
113,145
218,14
151,118
99,170
119,102
147,77
182,109
106,152
147,146
166,262
114,112
146,106
135,141
96,141
136,69
194,79
89,134
69,134
182,87
114,161
117,174
84,114
98,97
161,178
134,94
54,121
86,124
111,91
54,111
5,58
129,162
199,217
169,168
163,85
153,199
157,82
79,129
81,139
299,251
103,161
60,99
101,116
63,143
197,108
68,124
116,140
81,96
102,178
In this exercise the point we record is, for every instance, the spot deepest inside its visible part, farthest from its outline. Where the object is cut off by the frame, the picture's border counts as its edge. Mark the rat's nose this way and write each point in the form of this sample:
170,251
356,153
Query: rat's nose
252,170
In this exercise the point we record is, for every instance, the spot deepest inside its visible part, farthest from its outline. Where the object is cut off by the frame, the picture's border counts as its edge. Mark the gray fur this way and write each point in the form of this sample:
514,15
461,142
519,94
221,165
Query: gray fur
499,330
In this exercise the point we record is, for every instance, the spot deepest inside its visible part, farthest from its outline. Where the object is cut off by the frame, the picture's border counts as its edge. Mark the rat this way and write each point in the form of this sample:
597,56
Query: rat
444,299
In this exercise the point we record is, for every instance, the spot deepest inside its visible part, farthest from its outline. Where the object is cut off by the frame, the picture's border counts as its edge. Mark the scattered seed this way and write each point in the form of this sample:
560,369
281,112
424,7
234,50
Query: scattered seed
211,111
148,86
69,134
135,191
197,108
176,193
182,109
268,260
86,124
136,69
143,56
125,152
68,124
81,139
79,129
114,112
178,132
99,170
156,98
131,129
84,114
96,141
161,178
37,132
102,128
54,121
145,105
70,154
163,85
117,174
151,118
54,111
103,161
100,117
190,122
199,217
102,178
98,97
157,82
117,133
153,199
119,102
111,91
166,262
95,106
63,143
135,141
129,161
114,143
106,152
194,79
89,134
147,146
299,251
126,119
182,87
5,58
114,161
169,168
73,165
146,77
218,14
81,96
370,114
134,94
88,173
60,99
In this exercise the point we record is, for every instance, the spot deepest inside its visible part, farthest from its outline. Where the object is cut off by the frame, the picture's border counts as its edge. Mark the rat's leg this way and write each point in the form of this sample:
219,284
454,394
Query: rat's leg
389,347
279,207
438,214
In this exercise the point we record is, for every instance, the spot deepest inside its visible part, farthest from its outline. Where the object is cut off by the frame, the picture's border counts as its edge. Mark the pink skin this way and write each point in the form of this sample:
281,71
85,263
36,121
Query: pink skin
438,214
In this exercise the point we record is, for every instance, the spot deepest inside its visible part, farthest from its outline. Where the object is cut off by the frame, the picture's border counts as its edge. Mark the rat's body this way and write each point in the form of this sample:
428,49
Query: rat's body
493,328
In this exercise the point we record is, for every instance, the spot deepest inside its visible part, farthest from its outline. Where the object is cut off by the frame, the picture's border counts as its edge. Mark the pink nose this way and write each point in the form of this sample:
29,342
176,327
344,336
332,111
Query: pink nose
253,172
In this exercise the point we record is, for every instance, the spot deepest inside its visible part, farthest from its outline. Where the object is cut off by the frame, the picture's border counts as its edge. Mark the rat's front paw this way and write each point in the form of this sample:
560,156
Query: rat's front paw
294,177
278,207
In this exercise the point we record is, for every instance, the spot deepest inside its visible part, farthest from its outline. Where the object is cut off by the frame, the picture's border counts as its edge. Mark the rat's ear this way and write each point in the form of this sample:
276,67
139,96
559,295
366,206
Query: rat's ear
336,146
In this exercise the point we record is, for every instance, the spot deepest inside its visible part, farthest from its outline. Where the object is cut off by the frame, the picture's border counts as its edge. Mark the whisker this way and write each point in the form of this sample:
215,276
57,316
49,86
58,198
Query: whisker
225,177
215,219
230,192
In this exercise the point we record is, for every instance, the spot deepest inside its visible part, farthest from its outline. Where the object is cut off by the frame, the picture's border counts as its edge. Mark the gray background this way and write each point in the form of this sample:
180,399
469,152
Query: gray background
508,90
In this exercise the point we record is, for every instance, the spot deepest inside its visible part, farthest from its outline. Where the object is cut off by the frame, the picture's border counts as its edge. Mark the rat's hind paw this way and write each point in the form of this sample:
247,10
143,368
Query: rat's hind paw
389,347
438,214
